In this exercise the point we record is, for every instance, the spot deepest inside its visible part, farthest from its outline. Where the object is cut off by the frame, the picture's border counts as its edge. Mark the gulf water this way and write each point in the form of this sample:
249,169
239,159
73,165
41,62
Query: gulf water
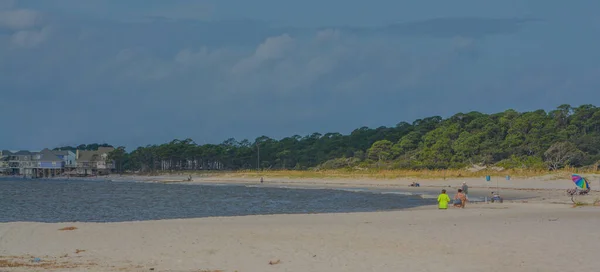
109,201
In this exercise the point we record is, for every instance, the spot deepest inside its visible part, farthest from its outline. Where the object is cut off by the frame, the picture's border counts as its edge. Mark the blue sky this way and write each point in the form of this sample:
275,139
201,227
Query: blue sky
138,72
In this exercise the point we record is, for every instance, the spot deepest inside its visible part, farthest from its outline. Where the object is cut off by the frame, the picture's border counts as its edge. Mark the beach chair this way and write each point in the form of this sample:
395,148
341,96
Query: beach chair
577,191
582,187
496,198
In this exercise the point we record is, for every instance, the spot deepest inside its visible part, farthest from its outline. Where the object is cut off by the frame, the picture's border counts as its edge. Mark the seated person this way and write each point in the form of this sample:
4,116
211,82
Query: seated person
462,199
496,197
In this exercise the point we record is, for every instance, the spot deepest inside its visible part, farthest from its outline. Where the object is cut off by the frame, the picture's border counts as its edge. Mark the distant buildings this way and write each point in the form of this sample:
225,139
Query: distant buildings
3,163
19,162
94,162
52,163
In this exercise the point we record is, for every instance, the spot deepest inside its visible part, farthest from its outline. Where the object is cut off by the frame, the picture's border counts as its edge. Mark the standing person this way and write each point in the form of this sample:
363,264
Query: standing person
461,197
465,190
443,200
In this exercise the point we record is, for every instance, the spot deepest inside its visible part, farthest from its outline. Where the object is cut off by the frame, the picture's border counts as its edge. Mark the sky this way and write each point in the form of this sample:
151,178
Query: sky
139,72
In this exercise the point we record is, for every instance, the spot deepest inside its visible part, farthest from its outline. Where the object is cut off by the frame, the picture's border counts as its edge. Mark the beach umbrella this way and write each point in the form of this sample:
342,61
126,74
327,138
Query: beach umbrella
580,181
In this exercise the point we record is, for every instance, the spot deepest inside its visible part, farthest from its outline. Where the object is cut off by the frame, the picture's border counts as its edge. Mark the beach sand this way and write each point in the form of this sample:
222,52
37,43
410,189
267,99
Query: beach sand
513,236
482,237
542,189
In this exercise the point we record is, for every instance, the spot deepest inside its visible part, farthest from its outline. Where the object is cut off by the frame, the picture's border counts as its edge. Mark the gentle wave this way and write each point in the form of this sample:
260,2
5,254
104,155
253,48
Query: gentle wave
399,193
352,190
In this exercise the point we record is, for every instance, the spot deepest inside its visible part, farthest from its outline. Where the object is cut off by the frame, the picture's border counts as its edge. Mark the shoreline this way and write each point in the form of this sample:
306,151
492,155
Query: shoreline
517,235
540,189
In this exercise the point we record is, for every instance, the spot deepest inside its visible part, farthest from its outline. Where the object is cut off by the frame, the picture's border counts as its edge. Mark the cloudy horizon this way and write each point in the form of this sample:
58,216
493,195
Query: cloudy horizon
137,72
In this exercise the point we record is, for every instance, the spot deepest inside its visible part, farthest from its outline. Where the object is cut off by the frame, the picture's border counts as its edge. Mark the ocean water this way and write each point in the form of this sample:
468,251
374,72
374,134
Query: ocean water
108,201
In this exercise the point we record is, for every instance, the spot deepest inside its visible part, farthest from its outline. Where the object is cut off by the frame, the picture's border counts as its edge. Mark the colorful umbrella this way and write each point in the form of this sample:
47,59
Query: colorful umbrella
580,181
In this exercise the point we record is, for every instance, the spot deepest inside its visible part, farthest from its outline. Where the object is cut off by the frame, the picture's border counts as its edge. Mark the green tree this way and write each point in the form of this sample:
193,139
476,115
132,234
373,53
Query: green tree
381,151
119,157
509,138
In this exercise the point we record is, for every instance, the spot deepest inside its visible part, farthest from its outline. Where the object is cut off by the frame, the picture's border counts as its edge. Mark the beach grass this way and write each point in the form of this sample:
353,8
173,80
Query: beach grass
398,173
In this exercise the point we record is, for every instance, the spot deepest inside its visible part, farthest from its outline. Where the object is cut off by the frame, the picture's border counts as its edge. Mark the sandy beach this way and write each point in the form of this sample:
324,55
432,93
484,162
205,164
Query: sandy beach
501,237
542,189
531,235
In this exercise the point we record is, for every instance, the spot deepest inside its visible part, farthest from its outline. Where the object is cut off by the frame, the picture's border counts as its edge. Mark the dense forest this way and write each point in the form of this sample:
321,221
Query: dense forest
567,136
82,147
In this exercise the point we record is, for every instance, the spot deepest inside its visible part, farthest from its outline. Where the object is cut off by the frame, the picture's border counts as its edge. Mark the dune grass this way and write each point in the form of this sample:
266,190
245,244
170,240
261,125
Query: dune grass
399,174
373,173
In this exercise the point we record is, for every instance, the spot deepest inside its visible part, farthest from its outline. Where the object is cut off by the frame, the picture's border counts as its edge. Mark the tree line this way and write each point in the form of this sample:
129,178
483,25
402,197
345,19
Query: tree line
566,136
87,147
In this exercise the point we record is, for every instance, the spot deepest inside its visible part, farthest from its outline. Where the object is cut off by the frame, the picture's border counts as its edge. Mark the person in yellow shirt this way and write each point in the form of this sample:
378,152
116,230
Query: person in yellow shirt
443,200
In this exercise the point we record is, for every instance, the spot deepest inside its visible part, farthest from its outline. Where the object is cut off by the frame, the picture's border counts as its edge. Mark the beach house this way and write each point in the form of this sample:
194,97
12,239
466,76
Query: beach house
94,162
18,162
52,163
69,158
3,162
47,164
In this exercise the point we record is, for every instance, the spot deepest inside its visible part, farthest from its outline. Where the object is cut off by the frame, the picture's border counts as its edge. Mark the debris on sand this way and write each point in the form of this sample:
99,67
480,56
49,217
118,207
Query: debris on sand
68,228
31,263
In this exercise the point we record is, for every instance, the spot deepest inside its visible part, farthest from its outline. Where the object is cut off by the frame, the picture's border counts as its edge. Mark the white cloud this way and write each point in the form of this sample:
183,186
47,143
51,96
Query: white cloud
198,83
320,65
273,48
203,57
25,25
17,19
30,38
328,34
284,66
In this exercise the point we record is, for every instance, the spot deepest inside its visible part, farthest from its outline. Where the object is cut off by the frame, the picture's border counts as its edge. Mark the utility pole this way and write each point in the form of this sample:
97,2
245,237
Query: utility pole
258,157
